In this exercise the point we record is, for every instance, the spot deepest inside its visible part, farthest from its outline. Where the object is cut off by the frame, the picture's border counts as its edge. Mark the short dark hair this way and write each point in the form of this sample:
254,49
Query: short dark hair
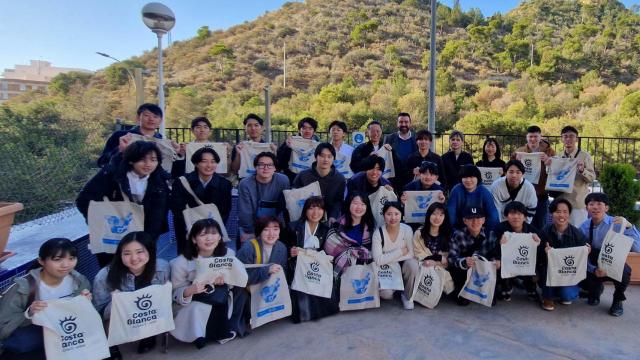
485,156
374,122
392,204
200,119
197,156
371,161
457,133
57,247
323,146
153,108
136,151
597,197
254,117
268,154
516,163
338,123
208,225
469,170
569,128
308,120
118,271
554,204
534,129
429,166
424,134
262,222
515,206
405,114
312,201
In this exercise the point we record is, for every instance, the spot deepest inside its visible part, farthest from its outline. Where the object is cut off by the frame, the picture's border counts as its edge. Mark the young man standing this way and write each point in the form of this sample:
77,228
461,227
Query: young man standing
454,159
424,138
338,130
307,129
403,144
362,151
253,132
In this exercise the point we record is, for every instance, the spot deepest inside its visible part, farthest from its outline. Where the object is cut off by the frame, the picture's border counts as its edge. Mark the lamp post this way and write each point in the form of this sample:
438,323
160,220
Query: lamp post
137,79
432,74
160,19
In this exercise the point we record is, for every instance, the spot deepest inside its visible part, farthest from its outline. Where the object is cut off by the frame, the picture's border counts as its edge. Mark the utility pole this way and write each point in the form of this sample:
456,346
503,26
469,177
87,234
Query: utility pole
432,74
284,62
137,76
267,111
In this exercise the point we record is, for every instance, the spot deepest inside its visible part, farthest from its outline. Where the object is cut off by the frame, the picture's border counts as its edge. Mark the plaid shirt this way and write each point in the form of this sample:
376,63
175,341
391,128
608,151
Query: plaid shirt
463,244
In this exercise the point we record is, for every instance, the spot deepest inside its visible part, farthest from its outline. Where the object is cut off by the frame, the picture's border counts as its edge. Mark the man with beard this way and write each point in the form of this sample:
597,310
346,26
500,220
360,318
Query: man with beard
403,144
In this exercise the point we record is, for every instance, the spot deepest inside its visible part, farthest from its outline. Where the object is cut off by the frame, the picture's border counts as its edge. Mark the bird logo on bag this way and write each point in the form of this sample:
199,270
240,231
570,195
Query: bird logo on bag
423,200
144,302
119,225
360,285
608,248
563,173
569,260
270,292
338,163
68,324
315,266
523,250
479,280
428,280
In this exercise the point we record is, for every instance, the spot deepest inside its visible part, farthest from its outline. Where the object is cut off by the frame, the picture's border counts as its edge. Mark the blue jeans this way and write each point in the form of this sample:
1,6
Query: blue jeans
565,293
542,209
24,339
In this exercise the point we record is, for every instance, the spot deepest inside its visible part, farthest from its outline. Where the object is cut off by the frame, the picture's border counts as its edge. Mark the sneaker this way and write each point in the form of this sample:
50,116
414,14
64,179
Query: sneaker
231,336
200,343
593,301
566,302
532,295
548,305
616,309
408,304
506,295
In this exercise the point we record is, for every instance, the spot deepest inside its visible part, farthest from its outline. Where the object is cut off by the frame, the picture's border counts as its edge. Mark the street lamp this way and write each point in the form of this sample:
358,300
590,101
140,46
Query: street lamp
160,19
137,78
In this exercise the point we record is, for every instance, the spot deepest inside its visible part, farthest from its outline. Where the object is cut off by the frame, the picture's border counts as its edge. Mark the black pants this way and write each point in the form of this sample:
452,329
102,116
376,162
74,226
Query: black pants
507,284
595,287
218,323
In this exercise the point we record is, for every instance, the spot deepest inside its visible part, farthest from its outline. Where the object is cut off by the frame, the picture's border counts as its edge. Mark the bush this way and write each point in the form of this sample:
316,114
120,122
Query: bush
618,182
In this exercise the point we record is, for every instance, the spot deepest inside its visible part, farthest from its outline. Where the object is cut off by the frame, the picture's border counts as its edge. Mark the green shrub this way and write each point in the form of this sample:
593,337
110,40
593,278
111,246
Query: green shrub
618,182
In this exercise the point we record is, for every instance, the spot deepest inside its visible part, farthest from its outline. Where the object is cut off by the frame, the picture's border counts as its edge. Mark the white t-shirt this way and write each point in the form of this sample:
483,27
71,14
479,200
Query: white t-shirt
64,290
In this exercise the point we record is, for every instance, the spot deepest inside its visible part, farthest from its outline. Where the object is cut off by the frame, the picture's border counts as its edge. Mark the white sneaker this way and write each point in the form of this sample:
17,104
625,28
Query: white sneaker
408,304
232,335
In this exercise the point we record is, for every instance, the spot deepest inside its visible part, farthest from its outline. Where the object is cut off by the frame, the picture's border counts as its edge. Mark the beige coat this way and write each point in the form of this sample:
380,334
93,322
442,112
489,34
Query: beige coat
583,179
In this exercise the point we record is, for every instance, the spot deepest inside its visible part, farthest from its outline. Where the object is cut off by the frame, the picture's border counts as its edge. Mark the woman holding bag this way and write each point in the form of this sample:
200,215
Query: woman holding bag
431,240
134,266
203,314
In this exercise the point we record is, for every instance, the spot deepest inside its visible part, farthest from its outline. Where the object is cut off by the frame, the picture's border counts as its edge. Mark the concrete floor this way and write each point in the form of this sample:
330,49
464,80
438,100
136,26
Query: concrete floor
515,330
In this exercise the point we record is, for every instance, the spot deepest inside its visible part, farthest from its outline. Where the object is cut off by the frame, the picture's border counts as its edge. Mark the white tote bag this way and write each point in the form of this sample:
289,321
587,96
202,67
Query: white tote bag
562,174
202,211
314,273
389,169
489,175
532,165
250,149
415,209
428,286
566,267
110,221
343,165
232,270
359,288
166,150
377,201
614,252
219,148
72,330
302,151
481,282
295,198
389,276
519,255
270,300
140,314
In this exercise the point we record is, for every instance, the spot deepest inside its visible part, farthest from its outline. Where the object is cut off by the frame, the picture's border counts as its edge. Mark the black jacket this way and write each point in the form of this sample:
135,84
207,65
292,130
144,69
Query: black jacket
452,167
111,146
359,153
332,187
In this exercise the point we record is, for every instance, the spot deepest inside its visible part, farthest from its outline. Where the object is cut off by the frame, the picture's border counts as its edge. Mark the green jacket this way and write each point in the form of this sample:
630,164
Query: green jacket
15,300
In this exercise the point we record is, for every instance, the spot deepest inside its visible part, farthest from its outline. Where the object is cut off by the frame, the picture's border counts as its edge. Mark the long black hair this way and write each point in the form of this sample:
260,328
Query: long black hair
367,219
444,229
209,226
485,157
118,270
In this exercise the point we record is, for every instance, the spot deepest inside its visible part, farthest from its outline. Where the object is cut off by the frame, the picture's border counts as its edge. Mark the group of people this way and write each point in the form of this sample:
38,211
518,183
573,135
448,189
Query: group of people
467,219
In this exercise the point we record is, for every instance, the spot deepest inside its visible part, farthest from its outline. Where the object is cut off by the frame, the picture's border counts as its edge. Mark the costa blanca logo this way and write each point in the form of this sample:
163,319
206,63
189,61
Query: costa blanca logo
144,302
428,280
119,225
360,285
523,250
383,200
315,266
68,324
384,267
488,175
270,292
569,260
423,200
72,338
528,163
608,248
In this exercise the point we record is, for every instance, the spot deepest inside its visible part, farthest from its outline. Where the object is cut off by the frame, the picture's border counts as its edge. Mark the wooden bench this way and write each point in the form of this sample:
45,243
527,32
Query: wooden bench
633,260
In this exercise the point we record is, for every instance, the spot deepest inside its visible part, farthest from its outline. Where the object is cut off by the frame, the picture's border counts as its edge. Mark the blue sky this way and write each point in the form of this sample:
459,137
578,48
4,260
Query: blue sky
69,32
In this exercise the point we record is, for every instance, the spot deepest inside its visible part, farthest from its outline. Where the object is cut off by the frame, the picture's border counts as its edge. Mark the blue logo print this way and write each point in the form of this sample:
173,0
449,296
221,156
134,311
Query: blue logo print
358,138
270,293
423,201
360,286
477,279
563,173
305,156
338,163
119,225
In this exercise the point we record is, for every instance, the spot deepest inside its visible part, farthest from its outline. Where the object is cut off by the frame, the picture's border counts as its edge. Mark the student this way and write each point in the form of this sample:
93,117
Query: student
54,278
265,249
515,214
207,185
472,239
559,234
310,232
140,177
431,240
203,315
363,151
393,242
306,128
471,194
201,130
332,183
454,159
134,266
338,130
595,229
514,187
491,155
370,178
424,138
261,194
253,132
535,143
427,180
403,144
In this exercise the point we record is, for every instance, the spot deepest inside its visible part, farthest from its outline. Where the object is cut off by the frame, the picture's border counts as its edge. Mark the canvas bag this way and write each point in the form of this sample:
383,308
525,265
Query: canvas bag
428,286
519,255
295,198
232,269
301,154
110,221
562,174
166,150
481,282
343,165
359,288
72,330
566,267
532,165
250,149
389,276
377,201
614,252
313,273
489,175
389,170
140,314
415,209
270,300
202,211
219,148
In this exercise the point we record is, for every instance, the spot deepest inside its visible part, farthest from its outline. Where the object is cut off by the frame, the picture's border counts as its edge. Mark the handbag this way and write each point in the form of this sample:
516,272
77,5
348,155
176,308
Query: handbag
217,295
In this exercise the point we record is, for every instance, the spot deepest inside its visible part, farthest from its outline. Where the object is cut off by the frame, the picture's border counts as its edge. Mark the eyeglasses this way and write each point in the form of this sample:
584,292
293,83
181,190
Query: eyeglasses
265,166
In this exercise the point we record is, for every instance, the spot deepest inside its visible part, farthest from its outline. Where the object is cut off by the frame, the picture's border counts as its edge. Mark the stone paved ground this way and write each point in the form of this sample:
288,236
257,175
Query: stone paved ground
515,330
